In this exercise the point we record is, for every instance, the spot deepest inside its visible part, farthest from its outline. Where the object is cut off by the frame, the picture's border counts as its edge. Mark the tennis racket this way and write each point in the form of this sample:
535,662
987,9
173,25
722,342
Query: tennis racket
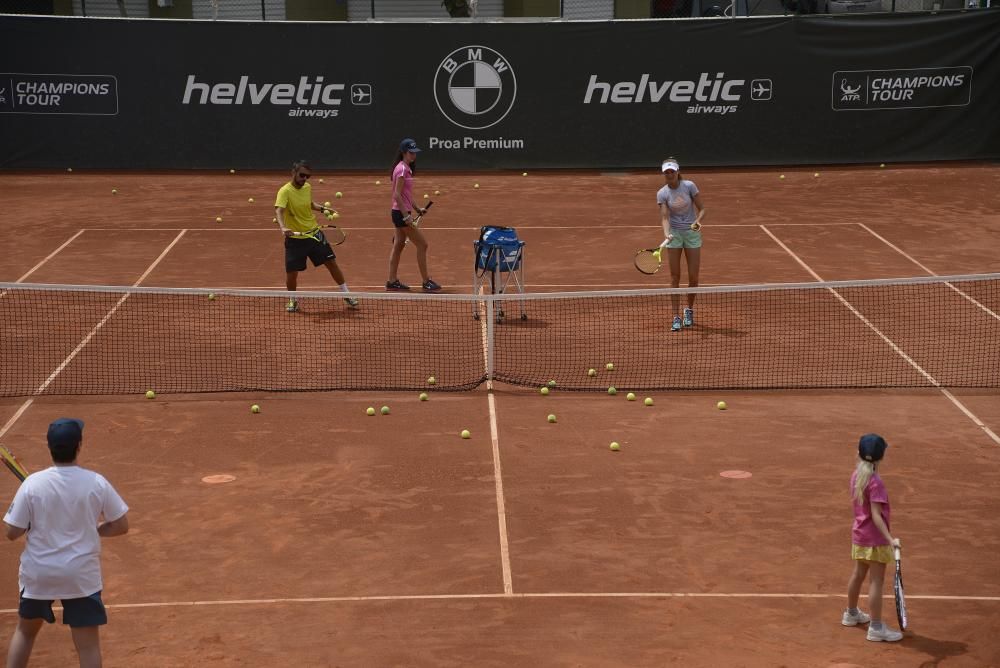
649,260
12,464
897,588
416,221
333,234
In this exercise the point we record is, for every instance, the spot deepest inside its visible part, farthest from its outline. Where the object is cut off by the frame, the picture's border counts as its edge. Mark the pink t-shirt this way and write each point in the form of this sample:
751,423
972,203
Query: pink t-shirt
405,201
864,532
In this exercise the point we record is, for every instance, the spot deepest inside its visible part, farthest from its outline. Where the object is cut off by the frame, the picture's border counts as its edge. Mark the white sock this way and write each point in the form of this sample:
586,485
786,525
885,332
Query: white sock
343,287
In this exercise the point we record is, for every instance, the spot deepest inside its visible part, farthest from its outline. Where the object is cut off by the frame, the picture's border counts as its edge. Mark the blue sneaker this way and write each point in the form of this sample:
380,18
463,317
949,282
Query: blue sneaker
688,317
292,306
676,327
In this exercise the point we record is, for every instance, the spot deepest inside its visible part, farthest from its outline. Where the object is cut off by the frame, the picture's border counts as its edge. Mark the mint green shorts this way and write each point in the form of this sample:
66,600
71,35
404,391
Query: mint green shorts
685,239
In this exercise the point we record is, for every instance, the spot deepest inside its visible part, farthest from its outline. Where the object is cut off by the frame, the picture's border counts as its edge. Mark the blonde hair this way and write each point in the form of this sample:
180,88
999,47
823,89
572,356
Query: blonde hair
863,473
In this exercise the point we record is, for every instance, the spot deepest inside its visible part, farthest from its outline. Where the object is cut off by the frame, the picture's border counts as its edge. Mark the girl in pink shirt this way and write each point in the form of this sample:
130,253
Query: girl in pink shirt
403,208
871,542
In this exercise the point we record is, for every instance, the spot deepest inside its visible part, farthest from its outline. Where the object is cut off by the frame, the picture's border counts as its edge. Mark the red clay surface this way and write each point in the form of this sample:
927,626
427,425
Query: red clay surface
351,540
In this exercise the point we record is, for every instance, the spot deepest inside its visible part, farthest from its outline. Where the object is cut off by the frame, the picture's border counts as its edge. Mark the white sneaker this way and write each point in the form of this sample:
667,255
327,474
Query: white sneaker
884,634
292,306
853,620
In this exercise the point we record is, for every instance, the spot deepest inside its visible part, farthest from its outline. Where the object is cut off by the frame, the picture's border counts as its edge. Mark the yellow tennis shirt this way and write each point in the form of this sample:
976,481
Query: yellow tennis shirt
297,203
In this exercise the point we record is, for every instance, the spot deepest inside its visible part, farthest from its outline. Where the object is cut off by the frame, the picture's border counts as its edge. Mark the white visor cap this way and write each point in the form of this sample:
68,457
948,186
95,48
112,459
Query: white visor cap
670,164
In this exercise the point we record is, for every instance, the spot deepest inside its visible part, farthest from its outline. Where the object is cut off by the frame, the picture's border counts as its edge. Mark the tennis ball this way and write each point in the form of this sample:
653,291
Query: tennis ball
338,194
782,177
250,199
321,180
378,183
334,216
326,203
630,396
591,372
612,391
211,296
150,394
882,165
384,410
370,411
426,196
614,446
255,409
437,192
466,433
721,405
815,175
218,219
524,173
69,169
114,191
431,380
423,396
609,366
648,401
551,383
476,186
552,418
232,171
544,390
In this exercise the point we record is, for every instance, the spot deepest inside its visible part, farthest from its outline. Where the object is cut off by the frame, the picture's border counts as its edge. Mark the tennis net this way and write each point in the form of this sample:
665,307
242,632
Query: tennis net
916,332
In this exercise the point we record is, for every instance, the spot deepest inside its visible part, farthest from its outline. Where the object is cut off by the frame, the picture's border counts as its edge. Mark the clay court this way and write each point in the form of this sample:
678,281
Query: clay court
348,540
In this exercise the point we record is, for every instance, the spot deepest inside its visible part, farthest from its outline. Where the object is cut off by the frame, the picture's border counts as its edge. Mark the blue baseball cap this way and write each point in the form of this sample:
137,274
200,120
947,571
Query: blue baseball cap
408,146
65,432
871,447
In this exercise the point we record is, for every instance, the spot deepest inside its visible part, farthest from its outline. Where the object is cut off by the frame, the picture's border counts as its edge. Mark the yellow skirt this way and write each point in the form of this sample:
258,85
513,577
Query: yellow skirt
883,554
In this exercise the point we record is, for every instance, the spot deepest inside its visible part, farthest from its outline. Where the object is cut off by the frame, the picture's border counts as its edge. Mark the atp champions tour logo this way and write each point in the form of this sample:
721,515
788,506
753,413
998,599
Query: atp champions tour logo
475,87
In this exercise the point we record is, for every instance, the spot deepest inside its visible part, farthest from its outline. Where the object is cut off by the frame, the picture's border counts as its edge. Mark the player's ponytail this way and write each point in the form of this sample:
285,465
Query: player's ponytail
862,476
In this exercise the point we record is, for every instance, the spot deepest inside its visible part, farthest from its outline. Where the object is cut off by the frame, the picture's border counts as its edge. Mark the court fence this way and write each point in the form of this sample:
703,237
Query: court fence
916,332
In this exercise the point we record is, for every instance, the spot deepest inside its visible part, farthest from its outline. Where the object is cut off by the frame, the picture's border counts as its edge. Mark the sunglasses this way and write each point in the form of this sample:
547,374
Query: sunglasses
304,176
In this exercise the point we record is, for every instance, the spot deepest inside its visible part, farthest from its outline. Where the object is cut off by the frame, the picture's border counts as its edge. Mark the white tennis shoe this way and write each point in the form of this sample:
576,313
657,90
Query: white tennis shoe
853,620
884,634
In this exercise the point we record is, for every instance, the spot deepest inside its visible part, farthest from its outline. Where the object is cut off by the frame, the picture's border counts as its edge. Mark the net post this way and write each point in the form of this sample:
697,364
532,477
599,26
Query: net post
490,337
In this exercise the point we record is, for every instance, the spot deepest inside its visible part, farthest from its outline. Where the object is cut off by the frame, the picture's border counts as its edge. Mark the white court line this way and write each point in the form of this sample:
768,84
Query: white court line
550,595
382,228
46,259
86,339
927,269
933,381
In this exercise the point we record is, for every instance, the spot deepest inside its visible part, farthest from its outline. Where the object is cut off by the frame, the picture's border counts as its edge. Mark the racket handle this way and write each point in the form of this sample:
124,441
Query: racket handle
895,552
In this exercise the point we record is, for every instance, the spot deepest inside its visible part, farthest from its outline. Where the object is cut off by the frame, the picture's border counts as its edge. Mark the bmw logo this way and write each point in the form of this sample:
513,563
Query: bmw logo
475,87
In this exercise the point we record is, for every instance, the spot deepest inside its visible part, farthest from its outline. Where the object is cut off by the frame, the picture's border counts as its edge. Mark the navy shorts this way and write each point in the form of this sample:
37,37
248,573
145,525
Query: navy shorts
86,611
398,219
297,250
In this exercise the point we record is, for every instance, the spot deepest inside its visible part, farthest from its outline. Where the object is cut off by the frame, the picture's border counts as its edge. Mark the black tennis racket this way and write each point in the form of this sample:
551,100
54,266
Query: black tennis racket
416,221
649,260
897,588
332,233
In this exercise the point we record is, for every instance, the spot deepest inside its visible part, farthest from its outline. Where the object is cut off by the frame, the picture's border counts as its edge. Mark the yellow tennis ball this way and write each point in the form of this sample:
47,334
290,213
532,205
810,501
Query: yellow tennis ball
612,391
524,173
476,185
370,411
648,401
614,446
815,175
552,418
255,409
338,194
378,183
431,380
882,165
211,296
591,372
218,219
657,253
466,433
609,366
782,177
232,171
544,390
384,410
423,396
250,199
630,396
150,394
437,192
335,215
426,196
326,203
721,405
551,383
114,191
69,169
321,180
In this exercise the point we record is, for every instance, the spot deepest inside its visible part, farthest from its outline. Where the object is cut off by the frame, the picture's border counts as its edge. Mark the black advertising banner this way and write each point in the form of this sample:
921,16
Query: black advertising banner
125,94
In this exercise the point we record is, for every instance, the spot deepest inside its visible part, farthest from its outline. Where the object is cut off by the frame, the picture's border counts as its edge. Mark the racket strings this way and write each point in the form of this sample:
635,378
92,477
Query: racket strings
647,262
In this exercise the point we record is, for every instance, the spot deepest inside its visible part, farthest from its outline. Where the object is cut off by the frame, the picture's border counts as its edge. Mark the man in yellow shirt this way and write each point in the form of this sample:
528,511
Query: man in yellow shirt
294,208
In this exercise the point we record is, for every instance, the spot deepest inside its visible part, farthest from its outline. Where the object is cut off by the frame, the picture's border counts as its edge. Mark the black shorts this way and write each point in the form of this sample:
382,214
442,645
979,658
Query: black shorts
297,250
86,611
398,219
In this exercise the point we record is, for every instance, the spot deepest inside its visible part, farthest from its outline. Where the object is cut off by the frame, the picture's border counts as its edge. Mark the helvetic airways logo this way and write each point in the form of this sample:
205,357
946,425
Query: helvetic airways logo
310,97
704,95
902,89
475,87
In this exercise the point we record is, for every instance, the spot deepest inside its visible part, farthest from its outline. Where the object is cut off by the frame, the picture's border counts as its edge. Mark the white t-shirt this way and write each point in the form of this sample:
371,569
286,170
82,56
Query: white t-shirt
62,555
680,202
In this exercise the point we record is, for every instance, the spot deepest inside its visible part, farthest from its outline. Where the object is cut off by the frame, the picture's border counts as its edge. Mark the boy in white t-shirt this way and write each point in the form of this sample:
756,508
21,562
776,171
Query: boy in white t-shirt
59,510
